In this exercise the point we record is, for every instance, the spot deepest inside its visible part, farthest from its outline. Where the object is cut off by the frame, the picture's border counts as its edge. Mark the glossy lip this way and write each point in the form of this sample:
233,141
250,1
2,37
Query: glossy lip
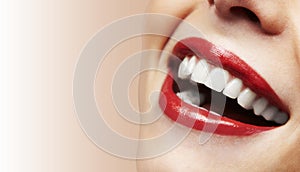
198,117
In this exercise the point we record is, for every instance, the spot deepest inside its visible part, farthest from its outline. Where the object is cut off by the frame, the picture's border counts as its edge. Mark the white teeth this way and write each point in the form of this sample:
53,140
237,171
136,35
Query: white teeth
200,72
269,113
217,79
260,105
182,68
186,67
246,98
233,88
192,64
191,97
281,117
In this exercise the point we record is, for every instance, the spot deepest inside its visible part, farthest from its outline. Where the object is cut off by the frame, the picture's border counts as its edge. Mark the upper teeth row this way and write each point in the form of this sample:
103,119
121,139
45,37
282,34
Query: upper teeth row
219,80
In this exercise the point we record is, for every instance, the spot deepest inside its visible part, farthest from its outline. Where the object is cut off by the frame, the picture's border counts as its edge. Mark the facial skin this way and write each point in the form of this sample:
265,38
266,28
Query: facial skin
271,47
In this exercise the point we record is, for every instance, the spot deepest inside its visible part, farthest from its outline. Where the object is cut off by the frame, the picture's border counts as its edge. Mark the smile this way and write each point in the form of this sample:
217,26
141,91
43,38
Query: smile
208,85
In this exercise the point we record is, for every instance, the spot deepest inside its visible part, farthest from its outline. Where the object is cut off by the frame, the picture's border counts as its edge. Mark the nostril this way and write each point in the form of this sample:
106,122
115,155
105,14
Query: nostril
244,13
265,16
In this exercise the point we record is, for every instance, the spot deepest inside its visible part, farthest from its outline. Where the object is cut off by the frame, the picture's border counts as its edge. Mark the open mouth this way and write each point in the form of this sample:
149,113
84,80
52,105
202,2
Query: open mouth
210,86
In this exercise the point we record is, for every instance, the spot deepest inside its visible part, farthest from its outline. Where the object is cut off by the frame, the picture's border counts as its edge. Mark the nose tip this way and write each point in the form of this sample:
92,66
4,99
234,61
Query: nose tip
270,14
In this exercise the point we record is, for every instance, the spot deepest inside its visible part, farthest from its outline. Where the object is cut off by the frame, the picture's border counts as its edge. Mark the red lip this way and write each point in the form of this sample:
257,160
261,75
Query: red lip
200,118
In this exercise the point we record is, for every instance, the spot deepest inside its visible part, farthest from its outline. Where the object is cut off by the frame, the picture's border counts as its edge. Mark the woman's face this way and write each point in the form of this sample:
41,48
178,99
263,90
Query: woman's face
264,37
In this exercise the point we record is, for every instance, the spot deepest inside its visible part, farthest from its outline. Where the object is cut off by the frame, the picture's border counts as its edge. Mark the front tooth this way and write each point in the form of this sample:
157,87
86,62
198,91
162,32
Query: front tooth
182,70
281,117
246,98
233,88
200,72
269,113
217,79
260,105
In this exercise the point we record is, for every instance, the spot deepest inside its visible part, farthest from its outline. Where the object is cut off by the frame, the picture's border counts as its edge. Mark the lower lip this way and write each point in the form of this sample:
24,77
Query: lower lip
200,118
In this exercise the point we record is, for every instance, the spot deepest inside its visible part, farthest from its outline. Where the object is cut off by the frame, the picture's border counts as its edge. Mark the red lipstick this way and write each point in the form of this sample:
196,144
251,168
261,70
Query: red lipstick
198,117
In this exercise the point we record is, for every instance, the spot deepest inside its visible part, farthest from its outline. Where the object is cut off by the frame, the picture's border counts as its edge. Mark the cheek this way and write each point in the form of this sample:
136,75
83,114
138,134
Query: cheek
173,8
178,8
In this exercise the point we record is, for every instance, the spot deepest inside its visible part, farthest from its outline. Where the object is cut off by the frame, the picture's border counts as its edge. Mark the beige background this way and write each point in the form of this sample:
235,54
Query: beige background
41,43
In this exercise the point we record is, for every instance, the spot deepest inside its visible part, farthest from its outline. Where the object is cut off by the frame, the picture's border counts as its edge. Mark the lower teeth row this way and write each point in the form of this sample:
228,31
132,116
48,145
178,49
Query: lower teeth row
220,80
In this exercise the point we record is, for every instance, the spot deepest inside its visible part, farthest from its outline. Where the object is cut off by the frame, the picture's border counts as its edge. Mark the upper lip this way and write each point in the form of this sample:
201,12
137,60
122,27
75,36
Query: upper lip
221,57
